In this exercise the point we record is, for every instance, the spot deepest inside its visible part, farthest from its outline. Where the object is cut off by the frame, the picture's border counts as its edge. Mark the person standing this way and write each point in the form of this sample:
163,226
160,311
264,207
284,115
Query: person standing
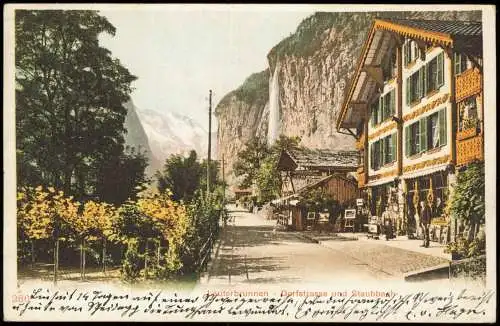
425,220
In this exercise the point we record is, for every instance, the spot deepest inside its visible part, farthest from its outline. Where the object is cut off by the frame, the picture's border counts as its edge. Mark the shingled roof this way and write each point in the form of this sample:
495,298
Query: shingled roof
450,27
320,159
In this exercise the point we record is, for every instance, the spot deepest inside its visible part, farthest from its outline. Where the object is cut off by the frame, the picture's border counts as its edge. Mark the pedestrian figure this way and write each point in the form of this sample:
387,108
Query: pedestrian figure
425,220
387,225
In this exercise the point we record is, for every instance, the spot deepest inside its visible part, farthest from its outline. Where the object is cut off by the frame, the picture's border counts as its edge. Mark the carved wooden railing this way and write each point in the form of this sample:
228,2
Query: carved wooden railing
467,133
467,84
469,148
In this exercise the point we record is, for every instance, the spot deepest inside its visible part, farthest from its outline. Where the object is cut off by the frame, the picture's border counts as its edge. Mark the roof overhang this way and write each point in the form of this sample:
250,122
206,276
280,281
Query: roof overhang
366,80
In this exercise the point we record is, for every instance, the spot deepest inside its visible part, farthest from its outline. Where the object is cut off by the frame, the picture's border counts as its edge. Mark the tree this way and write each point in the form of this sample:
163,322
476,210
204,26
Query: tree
257,163
249,161
467,202
45,214
181,175
69,98
122,177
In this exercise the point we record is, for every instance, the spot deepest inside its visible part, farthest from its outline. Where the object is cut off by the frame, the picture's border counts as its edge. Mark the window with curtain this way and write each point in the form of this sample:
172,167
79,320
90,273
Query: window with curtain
425,134
411,51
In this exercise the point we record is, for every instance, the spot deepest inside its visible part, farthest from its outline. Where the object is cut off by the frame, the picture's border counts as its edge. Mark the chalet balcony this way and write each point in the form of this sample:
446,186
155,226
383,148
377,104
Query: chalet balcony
467,84
469,146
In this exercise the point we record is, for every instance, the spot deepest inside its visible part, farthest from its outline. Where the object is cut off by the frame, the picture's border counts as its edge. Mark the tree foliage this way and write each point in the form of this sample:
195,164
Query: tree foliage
467,202
181,175
69,98
257,164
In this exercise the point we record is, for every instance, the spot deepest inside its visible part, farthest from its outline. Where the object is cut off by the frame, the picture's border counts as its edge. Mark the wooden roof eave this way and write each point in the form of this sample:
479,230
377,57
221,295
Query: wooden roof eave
411,32
416,33
355,78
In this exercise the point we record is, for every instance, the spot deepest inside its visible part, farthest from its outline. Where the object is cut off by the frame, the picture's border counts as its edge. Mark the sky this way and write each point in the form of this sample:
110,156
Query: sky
180,53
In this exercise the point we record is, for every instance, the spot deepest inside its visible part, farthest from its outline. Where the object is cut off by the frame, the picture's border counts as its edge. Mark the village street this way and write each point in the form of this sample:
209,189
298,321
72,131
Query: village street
253,251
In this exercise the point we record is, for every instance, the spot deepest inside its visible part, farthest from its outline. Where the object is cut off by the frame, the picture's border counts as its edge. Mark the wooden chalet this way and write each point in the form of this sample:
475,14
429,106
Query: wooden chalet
301,167
415,106
341,188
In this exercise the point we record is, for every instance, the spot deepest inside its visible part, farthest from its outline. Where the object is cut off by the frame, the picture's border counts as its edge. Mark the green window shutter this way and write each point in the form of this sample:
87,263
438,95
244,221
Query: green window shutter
423,134
442,127
372,156
381,151
427,78
373,112
394,147
387,105
393,102
421,75
408,91
407,141
457,62
416,126
440,70
380,109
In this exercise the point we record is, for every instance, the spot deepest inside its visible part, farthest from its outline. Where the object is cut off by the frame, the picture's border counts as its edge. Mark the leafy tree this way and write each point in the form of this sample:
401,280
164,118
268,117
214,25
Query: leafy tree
257,163
250,159
121,177
181,175
467,202
69,97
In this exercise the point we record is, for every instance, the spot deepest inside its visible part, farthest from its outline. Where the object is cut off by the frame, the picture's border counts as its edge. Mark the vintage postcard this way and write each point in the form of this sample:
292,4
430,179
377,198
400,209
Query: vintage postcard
249,163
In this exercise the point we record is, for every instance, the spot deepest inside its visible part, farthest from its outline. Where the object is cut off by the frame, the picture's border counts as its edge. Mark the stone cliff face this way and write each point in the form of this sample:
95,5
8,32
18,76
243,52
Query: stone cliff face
314,68
242,115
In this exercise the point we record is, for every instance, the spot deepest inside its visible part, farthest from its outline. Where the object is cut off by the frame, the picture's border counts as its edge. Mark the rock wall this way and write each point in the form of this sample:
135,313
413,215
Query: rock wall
315,65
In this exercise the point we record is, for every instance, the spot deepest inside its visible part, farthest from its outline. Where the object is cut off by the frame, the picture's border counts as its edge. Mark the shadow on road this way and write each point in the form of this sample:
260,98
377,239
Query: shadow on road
253,236
238,265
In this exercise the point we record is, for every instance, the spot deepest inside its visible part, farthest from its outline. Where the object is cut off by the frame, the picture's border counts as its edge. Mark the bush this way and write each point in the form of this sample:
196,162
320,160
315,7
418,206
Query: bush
131,266
464,248
467,202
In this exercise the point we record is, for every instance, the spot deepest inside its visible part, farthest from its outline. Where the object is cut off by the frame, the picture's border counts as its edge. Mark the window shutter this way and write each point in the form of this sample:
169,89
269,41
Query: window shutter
380,109
381,151
417,50
440,70
405,53
442,127
427,78
373,112
421,76
457,61
393,102
394,148
372,155
423,134
408,91
416,127
407,141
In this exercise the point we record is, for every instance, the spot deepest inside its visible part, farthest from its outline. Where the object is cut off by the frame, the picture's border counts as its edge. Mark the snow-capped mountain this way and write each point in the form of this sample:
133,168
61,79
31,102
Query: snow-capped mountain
172,133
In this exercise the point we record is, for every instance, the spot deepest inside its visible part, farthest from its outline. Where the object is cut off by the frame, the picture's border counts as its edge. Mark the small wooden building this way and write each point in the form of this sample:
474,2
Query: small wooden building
302,167
336,186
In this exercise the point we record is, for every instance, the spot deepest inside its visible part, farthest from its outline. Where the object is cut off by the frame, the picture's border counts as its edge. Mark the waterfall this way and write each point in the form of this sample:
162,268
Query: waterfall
274,108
